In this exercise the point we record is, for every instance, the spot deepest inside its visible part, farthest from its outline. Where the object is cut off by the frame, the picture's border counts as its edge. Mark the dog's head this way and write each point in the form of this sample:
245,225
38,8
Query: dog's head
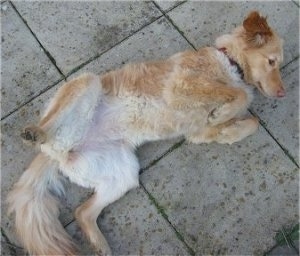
258,50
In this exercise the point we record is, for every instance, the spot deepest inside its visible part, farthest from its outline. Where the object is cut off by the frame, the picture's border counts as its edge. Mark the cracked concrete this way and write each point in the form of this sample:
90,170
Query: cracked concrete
196,199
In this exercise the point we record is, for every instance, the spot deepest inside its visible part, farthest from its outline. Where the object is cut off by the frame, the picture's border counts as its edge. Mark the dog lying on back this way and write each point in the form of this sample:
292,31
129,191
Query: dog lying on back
94,123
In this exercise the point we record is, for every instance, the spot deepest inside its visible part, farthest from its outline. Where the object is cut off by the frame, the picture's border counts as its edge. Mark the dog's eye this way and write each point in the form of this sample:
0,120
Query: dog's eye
271,62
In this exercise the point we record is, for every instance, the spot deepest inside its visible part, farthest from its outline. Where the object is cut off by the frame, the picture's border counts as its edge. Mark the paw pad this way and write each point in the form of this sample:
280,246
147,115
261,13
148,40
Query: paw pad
33,134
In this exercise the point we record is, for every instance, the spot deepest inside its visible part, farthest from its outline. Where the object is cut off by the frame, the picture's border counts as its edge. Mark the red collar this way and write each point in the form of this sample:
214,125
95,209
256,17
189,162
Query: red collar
232,62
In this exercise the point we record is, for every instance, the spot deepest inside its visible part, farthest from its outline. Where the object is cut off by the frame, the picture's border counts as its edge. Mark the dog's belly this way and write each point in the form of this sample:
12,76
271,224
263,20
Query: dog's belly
132,119
138,119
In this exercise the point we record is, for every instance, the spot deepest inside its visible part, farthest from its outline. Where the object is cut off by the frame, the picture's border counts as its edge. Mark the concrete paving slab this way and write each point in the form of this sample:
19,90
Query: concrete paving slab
132,226
202,22
26,70
80,31
281,117
227,199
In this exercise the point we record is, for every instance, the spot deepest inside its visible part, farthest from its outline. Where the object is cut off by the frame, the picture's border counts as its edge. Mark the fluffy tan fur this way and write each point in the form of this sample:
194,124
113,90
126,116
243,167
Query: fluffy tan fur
94,123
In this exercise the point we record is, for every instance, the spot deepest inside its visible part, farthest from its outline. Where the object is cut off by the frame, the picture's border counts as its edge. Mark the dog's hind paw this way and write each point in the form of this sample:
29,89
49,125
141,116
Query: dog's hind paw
33,135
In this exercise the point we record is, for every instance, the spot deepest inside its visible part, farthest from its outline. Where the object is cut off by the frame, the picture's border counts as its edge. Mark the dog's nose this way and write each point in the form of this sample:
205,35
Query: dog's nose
280,93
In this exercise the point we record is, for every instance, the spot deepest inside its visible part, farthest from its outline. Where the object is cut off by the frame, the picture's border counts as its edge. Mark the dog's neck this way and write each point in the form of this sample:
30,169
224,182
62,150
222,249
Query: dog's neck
232,62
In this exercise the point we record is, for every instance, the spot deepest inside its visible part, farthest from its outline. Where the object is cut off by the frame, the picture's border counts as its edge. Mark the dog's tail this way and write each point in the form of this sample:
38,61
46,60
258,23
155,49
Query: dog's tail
36,209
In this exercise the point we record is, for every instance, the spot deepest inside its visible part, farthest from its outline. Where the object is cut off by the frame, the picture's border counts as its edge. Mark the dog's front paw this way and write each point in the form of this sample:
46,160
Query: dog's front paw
33,135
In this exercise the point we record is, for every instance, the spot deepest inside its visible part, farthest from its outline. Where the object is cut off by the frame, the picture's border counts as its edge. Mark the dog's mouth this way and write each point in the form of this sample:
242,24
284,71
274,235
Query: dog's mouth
280,92
260,88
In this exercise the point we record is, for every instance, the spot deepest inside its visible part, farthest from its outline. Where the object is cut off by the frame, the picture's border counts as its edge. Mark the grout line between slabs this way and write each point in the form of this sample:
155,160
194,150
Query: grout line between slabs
167,152
290,62
152,199
172,22
51,58
263,124
110,48
171,8
162,212
31,99
296,3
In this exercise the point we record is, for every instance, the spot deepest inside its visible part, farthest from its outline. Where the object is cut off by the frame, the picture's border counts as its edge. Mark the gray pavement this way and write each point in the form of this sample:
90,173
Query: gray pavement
193,199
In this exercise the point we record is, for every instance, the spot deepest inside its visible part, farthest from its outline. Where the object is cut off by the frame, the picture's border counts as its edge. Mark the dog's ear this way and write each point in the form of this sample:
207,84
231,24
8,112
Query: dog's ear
257,29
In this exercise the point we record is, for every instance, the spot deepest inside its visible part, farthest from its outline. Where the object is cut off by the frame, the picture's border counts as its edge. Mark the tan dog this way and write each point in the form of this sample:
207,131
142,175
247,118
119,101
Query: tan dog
94,123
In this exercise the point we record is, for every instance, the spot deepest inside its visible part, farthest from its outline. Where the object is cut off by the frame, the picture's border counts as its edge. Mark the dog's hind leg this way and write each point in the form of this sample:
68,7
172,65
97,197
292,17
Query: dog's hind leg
118,174
68,112
86,214
33,135
78,96
229,132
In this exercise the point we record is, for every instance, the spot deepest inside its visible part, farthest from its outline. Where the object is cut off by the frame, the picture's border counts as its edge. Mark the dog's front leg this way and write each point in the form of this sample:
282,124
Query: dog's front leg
229,132
229,109
222,102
